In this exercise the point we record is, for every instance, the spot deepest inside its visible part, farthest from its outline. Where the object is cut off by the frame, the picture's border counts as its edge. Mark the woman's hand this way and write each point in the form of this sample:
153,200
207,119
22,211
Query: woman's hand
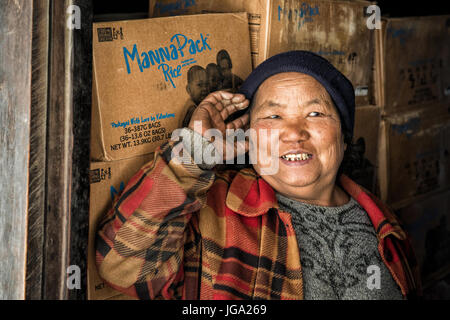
213,111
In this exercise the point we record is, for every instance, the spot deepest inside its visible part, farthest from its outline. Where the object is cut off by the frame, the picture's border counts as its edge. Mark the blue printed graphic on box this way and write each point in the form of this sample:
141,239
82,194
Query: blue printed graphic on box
303,14
177,52
115,192
408,128
173,8
402,34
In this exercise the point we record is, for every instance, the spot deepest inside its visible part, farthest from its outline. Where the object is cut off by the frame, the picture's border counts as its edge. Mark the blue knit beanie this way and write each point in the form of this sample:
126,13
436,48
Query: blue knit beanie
338,86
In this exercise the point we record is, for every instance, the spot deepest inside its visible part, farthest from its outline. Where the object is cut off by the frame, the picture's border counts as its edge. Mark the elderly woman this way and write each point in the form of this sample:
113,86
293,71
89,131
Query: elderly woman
186,230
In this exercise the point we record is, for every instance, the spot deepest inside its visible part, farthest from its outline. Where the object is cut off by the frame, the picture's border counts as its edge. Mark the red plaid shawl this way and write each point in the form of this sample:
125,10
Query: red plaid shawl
179,232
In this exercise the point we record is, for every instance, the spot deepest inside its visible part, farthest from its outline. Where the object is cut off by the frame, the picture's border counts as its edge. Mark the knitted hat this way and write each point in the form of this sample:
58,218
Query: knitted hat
338,86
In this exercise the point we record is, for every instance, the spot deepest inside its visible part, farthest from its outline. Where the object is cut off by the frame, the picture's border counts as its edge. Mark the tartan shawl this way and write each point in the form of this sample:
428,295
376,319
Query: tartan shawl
180,232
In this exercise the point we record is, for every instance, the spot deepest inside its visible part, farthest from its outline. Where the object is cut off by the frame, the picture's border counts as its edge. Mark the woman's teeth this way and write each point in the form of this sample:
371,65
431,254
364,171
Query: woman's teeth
297,157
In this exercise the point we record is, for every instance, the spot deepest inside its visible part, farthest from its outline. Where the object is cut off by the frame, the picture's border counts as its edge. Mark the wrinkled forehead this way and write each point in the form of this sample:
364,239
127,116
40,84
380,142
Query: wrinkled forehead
289,80
290,84
288,77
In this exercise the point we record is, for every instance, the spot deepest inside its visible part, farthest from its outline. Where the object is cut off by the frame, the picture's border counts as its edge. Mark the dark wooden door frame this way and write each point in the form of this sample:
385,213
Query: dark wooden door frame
59,191
38,153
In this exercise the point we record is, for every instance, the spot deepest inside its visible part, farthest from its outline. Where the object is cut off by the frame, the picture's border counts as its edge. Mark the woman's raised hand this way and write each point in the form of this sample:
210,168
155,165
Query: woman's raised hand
214,110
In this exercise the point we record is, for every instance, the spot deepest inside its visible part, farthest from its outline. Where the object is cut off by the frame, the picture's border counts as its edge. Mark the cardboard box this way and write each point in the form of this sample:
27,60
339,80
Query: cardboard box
413,62
365,140
107,180
414,154
337,30
428,224
257,16
148,73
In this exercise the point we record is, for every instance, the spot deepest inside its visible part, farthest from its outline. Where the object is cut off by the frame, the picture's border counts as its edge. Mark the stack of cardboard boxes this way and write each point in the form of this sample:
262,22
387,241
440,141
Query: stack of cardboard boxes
413,88
146,75
427,222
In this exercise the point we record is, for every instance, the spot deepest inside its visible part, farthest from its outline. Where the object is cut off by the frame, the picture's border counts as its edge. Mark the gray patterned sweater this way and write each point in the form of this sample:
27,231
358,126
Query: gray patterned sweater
338,252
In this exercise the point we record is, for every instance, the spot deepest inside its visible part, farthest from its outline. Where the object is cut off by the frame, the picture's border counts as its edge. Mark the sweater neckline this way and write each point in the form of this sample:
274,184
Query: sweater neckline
284,201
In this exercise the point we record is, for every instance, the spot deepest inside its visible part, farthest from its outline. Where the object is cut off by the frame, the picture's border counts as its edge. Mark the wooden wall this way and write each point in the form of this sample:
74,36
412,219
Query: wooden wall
15,101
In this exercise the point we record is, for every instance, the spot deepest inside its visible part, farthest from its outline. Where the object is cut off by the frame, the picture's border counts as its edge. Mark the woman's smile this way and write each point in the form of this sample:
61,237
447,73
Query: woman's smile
295,158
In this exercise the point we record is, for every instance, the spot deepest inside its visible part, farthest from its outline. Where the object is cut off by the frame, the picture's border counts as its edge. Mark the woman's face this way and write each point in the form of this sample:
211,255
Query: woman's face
310,144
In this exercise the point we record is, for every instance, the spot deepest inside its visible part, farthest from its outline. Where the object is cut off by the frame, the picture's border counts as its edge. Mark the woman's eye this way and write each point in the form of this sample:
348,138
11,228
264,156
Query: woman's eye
315,114
274,116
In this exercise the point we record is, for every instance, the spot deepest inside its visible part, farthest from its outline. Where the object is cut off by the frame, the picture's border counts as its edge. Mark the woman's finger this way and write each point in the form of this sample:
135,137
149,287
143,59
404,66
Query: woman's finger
217,96
240,123
238,98
215,116
232,108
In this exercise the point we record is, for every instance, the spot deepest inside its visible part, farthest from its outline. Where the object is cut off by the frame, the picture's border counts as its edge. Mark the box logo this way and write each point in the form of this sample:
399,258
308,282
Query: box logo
180,53
172,8
109,34
98,175
104,34
301,15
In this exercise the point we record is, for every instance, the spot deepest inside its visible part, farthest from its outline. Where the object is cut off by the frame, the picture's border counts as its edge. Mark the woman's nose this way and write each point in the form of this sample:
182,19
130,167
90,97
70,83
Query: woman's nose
293,132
